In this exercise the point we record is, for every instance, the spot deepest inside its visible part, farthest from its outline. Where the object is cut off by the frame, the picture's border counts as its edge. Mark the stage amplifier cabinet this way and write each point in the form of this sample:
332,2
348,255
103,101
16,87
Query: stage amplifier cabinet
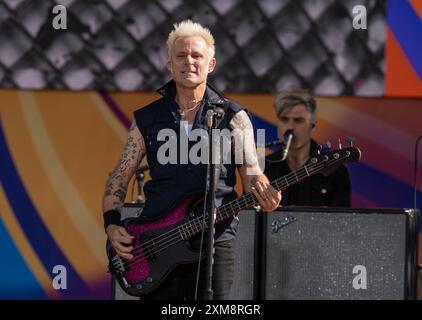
247,262
300,253
332,253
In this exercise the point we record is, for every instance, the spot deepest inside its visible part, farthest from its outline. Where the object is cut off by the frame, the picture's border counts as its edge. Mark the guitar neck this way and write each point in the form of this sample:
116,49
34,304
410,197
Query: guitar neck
248,200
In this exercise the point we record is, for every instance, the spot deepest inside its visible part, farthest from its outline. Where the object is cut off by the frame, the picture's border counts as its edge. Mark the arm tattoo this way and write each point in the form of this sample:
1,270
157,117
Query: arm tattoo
244,143
120,194
241,121
118,180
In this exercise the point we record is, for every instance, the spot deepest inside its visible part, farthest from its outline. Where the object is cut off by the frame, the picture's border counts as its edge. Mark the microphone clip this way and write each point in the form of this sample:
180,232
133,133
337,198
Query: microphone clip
217,111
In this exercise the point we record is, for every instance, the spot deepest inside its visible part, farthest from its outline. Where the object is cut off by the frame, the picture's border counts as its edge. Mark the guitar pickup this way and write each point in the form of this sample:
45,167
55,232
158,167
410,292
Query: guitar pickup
118,264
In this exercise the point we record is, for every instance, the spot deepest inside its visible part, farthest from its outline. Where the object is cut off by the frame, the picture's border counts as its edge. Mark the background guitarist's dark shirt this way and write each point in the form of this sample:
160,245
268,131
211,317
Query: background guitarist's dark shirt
317,190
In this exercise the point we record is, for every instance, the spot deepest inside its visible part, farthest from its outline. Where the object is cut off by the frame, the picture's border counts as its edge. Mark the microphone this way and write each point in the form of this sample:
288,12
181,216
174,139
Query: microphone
217,110
210,115
288,136
219,107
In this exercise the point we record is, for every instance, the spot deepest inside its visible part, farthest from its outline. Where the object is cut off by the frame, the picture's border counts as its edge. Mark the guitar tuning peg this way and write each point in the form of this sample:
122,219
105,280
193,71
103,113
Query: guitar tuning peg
339,144
350,140
328,144
319,149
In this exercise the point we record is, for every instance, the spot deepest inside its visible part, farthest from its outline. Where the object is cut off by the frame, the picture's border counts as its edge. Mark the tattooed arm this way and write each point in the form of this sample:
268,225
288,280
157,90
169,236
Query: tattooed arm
118,180
116,187
253,178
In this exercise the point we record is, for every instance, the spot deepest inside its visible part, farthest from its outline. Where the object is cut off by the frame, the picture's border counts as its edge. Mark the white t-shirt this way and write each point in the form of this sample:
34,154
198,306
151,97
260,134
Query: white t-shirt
188,128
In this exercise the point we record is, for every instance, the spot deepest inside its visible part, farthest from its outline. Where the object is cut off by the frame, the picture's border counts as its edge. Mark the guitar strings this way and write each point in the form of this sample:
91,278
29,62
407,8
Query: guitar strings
173,235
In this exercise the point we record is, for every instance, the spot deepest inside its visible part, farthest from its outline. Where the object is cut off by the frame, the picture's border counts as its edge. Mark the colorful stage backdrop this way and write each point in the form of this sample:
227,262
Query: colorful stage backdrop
56,149
403,49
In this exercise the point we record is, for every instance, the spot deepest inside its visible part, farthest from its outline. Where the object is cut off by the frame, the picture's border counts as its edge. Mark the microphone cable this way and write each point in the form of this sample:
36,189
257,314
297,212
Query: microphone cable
415,172
203,231
133,188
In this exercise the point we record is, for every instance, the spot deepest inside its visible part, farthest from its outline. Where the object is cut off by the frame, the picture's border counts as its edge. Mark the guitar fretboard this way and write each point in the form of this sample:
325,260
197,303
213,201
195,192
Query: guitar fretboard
248,200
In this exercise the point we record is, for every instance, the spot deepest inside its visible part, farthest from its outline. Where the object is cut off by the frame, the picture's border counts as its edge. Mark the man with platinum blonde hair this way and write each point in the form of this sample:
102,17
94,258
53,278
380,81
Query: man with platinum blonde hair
188,28
183,107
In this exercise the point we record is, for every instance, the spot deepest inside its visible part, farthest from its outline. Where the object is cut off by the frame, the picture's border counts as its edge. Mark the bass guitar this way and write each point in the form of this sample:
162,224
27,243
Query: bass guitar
162,244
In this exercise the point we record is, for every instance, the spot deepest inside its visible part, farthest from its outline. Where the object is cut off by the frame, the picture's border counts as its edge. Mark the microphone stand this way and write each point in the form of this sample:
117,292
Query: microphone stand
140,175
210,202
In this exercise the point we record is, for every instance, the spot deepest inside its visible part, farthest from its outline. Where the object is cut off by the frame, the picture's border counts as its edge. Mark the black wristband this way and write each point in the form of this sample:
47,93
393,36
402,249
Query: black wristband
111,217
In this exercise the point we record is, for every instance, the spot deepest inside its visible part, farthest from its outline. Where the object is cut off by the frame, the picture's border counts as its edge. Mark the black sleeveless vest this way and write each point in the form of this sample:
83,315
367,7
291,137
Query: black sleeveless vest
171,182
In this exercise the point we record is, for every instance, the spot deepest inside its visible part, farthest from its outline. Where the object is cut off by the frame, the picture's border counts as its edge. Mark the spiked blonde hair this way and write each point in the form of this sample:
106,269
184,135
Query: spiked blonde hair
187,28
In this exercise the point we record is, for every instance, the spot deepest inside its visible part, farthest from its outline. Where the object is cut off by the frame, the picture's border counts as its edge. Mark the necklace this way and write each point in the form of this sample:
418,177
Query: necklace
184,111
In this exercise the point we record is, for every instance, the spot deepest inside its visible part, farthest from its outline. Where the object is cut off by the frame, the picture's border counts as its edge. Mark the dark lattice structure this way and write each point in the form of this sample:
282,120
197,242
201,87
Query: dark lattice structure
262,45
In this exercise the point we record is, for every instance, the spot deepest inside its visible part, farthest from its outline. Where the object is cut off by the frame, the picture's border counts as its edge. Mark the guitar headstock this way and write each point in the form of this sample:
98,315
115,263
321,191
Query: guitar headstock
333,159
